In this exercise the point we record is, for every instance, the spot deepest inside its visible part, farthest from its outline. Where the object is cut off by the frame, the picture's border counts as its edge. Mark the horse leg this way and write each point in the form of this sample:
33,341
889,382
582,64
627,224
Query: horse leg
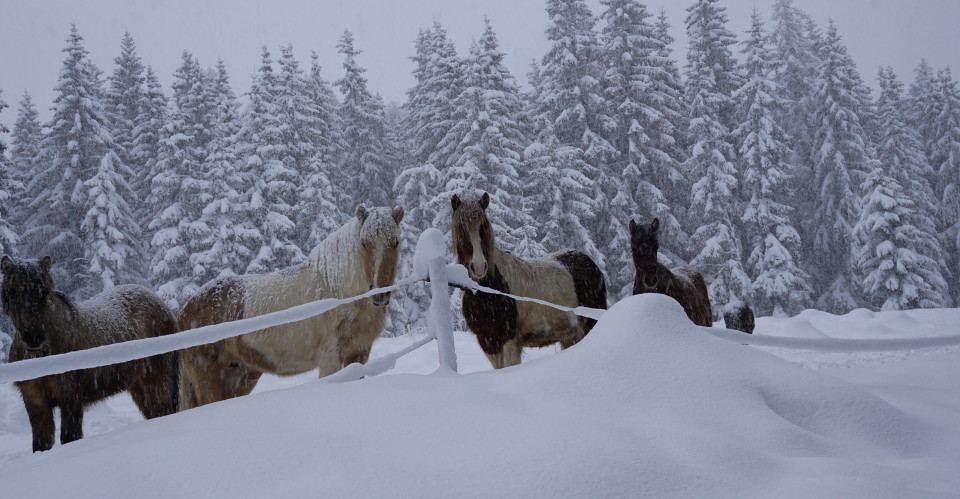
509,355
71,416
40,414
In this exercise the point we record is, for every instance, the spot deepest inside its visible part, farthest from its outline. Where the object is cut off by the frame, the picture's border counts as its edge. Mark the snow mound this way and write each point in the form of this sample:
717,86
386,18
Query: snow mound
647,405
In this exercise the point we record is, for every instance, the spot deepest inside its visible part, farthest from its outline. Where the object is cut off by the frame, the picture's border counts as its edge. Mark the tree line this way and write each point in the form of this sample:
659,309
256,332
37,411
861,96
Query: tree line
776,172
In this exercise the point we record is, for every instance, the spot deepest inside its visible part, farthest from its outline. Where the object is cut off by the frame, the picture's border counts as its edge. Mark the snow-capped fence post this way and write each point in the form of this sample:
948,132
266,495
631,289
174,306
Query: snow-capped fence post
429,260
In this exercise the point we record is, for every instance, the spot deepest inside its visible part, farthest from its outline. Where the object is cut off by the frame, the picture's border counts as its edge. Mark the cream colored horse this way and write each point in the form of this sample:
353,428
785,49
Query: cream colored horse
360,256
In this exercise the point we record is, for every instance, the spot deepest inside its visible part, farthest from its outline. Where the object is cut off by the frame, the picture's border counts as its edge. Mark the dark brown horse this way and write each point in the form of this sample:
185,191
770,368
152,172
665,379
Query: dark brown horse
739,317
683,284
503,325
47,322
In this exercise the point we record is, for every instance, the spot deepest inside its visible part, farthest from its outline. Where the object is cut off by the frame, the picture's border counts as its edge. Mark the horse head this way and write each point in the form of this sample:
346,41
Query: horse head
644,246
26,286
380,248
472,231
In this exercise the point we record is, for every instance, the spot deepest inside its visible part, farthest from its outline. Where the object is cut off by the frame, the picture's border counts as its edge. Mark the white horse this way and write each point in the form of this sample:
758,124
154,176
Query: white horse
361,255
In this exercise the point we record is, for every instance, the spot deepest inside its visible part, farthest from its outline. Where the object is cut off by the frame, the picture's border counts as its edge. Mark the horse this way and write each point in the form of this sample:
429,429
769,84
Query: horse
359,256
504,326
48,322
739,317
683,283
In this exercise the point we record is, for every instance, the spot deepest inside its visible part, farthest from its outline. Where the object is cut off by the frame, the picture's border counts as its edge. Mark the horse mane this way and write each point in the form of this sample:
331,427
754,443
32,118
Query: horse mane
338,253
70,304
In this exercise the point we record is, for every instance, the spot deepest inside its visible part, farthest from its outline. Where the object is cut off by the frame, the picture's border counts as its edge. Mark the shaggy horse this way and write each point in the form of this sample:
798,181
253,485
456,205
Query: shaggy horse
683,284
359,256
48,323
503,325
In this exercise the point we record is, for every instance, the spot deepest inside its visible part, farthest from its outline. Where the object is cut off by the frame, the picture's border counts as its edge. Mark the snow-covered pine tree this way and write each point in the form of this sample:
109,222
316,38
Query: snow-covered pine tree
487,143
146,150
841,151
364,174
562,195
714,209
780,286
24,150
297,150
797,56
901,155
895,276
124,99
71,153
945,154
430,106
108,230
316,213
636,85
178,190
225,240
267,177
571,102
8,233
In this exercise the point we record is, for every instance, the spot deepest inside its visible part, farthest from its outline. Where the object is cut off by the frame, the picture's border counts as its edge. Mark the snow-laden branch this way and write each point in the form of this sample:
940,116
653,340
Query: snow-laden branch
836,344
137,349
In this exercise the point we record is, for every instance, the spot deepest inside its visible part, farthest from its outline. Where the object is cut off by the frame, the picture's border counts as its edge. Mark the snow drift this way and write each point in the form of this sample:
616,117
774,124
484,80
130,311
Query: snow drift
648,405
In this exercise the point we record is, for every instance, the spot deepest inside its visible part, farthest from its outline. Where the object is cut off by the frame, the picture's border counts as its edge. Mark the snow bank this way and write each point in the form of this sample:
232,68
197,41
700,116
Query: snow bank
648,405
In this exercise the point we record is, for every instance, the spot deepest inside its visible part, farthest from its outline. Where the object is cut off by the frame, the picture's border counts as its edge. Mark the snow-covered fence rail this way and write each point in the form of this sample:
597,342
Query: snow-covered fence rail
429,261
839,345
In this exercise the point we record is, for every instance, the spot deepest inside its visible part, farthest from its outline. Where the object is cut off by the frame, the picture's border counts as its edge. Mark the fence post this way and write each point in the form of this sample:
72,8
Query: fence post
439,319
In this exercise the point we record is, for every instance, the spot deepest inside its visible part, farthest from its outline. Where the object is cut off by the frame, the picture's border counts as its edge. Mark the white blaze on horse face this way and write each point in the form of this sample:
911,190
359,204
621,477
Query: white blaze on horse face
478,262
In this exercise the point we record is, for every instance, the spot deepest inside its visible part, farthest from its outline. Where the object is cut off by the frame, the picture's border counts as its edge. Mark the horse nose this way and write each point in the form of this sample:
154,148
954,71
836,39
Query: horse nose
381,299
479,269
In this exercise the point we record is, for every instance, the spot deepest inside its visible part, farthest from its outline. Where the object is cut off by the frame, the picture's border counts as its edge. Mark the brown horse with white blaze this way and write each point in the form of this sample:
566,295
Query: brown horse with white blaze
683,283
48,322
361,255
504,326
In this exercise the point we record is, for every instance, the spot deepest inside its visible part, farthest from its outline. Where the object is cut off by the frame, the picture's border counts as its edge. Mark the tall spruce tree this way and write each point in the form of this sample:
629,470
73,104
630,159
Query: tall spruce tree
895,276
636,84
488,143
841,152
71,153
316,213
780,287
900,153
8,233
179,190
711,80
124,100
145,150
268,179
225,239
945,156
24,150
363,171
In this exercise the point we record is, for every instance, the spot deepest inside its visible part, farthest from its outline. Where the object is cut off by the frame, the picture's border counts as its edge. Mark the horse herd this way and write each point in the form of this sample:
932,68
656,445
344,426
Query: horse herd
361,255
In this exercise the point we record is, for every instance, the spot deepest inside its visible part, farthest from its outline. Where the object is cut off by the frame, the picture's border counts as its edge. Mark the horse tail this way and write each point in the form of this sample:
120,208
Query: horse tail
702,300
588,282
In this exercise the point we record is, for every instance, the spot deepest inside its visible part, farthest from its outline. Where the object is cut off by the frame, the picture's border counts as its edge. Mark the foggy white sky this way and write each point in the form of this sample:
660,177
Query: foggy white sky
32,34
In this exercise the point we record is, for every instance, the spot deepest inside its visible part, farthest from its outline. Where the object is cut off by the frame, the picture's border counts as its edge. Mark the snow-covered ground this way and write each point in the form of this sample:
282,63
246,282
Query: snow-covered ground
646,406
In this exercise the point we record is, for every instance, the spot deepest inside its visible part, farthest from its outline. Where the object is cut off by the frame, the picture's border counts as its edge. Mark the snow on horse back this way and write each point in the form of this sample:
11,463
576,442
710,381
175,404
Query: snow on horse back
361,255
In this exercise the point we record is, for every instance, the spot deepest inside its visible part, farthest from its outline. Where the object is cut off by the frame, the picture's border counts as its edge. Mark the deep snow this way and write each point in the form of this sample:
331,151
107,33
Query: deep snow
648,405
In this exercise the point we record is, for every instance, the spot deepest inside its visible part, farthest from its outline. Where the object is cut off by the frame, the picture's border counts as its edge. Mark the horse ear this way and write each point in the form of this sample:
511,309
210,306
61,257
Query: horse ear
484,200
633,226
656,224
455,202
6,265
398,214
361,213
